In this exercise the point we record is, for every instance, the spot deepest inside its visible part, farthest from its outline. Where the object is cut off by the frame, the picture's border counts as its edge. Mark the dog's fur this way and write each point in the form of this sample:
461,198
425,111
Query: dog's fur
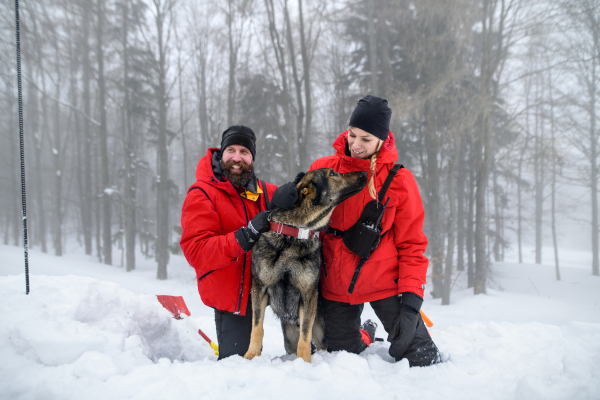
286,269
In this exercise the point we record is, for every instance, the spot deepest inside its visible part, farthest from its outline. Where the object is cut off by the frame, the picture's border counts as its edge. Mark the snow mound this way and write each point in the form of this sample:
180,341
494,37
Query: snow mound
76,337
86,328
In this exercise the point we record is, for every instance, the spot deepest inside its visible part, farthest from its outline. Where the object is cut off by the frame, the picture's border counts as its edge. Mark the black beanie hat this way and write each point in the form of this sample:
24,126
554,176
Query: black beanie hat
239,134
372,115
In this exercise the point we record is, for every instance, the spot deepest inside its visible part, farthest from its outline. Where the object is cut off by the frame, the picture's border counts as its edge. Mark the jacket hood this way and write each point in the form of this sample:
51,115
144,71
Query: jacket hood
387,154
209,170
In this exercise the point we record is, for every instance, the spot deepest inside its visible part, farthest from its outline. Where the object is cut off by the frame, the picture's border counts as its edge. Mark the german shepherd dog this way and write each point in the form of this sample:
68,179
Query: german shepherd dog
286,269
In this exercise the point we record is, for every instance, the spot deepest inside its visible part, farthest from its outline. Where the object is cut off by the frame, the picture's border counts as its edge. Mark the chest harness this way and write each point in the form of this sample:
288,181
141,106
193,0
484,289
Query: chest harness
364,236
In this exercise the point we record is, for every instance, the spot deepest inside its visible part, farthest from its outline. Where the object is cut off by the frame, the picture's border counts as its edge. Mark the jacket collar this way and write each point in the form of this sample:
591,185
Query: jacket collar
387,155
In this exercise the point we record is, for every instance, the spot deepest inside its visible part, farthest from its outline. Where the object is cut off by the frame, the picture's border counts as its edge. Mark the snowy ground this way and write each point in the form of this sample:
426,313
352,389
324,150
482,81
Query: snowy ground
90,331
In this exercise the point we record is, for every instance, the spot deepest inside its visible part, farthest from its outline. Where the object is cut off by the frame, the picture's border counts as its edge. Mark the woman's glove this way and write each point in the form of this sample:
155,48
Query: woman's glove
248,236
286,195
404,326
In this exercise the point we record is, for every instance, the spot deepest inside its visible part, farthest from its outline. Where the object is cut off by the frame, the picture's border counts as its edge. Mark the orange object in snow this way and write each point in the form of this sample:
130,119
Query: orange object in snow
426,319
176,305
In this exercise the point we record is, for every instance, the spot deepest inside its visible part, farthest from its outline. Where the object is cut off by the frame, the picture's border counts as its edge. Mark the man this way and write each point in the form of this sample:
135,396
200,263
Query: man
223,215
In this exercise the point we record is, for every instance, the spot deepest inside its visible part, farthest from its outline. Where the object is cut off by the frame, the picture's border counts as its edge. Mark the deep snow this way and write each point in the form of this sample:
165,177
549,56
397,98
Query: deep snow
88,330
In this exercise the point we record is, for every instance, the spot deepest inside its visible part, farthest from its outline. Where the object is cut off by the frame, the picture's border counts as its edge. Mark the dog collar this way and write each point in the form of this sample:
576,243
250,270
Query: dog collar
288,230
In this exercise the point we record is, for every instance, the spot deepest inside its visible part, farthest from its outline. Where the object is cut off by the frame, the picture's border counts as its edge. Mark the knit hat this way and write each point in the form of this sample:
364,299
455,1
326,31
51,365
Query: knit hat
372,115
239,134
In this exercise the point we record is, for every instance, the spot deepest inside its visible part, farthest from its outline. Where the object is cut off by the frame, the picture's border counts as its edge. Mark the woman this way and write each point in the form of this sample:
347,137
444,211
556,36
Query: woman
393,277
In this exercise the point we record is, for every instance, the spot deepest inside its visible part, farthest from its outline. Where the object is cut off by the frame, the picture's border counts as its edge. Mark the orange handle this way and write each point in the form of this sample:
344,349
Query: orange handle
426,319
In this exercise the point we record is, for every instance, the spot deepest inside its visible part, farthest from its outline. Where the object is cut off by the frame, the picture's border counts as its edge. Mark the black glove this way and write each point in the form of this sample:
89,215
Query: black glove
247,236
286,195
404,326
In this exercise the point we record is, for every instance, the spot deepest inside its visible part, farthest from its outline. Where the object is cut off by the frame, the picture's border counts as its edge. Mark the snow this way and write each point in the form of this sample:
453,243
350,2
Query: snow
88,330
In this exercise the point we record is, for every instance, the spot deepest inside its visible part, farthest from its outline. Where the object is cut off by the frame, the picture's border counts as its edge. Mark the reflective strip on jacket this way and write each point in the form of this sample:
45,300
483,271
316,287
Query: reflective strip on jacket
398,264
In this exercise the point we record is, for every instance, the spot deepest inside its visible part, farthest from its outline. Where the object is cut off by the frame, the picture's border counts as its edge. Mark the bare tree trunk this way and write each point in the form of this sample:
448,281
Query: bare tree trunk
386,68
103,136
519,200
452,218
470,220
280,56
436,244
57,155
233,50
39,144
554,173
497,219
484,148
460,203
297,84
162,218
13,220
129,191
539,173
593,89
305,161
86,191
372,4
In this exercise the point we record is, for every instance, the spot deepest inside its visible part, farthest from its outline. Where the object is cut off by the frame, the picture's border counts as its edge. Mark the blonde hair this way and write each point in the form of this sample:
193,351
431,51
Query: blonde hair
372,190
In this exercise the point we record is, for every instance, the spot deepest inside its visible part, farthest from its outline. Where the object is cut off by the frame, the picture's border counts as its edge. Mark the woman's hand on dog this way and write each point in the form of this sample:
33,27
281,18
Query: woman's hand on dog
286,195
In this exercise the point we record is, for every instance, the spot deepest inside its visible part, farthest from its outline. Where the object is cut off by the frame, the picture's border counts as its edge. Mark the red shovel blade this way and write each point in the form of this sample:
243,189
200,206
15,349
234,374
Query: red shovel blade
174,304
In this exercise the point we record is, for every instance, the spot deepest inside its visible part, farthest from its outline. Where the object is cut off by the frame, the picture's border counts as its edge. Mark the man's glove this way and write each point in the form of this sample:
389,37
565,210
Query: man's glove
247,236
404,326
286,195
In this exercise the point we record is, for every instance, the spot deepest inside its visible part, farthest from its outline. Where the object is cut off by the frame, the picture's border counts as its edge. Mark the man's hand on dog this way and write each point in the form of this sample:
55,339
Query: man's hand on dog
248,236
286,195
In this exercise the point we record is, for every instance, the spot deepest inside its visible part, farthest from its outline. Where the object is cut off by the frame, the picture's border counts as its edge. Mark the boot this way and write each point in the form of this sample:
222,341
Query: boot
367,330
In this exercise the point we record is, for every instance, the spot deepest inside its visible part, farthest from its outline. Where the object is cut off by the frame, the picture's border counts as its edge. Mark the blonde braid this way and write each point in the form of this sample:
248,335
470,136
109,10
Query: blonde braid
372,190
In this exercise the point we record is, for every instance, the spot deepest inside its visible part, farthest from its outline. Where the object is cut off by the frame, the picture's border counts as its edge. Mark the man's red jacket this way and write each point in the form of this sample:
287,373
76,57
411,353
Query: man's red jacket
212,211
398,264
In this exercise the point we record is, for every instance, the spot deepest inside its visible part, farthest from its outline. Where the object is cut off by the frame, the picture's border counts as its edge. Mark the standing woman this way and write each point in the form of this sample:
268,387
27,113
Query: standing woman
393,277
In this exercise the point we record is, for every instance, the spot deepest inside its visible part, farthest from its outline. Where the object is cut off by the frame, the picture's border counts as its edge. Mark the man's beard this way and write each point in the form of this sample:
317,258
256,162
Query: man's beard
240,179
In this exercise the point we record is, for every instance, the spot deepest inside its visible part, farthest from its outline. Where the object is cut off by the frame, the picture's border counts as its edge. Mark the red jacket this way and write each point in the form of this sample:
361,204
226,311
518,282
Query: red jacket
212,211
398,264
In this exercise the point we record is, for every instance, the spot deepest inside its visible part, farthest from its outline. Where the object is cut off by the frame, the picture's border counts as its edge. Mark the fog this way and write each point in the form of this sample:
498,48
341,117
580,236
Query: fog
494,111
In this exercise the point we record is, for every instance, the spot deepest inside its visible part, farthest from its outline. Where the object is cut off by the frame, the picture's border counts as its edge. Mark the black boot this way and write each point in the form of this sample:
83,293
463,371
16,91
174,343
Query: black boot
369,327
422,351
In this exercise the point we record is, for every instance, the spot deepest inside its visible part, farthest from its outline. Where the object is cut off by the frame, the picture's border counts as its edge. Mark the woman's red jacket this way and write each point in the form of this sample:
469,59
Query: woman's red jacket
212,211
398,264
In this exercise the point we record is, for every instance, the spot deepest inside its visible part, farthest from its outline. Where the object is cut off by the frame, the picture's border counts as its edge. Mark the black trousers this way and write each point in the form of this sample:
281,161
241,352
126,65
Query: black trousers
342,324
233,332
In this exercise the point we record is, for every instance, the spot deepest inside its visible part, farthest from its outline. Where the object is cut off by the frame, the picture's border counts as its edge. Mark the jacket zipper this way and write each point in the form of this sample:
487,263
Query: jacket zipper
244,265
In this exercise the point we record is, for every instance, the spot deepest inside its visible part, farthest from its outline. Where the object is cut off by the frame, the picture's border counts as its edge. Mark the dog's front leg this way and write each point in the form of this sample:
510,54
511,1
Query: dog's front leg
259,304
307,318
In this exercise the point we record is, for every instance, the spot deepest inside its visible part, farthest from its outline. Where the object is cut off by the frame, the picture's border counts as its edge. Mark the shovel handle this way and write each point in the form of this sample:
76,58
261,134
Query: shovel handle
214,346
426,319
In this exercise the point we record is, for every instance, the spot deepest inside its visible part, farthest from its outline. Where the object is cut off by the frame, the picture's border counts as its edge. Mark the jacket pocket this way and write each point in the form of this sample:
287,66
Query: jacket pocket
206,274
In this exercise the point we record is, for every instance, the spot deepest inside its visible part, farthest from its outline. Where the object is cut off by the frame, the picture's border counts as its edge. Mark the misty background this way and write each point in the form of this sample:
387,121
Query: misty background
494,111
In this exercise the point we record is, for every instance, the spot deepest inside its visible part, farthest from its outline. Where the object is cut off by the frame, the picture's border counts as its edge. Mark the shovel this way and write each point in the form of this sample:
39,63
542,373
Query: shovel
179,310
427,321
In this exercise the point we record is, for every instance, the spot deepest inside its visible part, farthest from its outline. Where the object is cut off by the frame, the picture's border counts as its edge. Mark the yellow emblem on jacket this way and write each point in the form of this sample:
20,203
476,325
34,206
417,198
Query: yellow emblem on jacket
252,196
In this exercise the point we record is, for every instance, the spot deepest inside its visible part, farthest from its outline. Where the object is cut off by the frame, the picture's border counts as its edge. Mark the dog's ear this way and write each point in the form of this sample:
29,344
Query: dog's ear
303,192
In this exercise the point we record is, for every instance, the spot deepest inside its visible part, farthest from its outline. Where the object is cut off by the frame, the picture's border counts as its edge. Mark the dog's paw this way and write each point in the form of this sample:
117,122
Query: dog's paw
303,354
251,353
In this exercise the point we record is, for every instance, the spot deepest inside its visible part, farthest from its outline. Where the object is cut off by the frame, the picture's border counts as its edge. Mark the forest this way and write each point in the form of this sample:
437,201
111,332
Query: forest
494,111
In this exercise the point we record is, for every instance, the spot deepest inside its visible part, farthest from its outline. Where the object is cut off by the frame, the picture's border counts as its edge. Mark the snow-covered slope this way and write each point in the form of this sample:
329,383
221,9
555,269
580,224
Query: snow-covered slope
90,331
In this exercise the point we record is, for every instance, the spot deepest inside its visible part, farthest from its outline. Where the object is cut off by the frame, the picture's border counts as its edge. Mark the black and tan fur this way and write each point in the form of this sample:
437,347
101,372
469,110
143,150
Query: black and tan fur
286,269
